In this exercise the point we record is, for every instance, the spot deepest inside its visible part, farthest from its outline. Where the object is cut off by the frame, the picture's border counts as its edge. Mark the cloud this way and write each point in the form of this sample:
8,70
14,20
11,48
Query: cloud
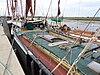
95,3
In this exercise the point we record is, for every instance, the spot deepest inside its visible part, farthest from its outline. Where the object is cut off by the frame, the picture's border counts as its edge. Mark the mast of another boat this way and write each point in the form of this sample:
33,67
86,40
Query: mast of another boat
58,13
8,7
34,7
14,10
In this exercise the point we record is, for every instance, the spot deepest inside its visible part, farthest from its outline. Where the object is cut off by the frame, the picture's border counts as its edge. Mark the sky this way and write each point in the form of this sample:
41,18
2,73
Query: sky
69,8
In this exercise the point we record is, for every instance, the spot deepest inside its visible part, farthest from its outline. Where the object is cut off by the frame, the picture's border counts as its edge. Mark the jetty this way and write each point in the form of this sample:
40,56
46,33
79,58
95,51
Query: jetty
9,64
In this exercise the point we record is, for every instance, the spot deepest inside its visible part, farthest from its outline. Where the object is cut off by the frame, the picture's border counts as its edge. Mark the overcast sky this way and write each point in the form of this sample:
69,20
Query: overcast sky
71,8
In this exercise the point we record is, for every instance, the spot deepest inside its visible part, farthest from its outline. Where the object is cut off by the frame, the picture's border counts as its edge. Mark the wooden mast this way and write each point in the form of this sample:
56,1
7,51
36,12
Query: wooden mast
16,11
13,9
34,6
8,7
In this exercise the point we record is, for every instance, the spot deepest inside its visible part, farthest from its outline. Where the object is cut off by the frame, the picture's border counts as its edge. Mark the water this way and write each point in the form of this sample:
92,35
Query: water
74,24
80,24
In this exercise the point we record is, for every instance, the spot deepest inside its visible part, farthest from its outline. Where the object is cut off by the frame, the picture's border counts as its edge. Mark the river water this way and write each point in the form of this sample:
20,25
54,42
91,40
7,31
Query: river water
79,24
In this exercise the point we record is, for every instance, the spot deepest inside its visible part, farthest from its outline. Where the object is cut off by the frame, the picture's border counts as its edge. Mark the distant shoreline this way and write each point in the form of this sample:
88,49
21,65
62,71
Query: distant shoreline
68,18
83,18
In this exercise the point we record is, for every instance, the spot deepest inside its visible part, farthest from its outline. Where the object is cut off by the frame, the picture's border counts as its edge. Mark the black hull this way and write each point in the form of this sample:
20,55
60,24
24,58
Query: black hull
29,62
7,29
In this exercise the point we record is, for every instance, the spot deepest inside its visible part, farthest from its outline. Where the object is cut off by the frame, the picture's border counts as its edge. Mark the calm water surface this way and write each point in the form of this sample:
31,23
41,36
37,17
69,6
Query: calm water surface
74,24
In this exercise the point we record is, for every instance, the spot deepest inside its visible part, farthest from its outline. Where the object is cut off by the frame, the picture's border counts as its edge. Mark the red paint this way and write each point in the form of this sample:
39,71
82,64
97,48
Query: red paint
49,63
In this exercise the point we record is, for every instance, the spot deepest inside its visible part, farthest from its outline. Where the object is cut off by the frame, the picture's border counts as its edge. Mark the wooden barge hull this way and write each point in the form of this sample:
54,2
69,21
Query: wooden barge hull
45,59
35,47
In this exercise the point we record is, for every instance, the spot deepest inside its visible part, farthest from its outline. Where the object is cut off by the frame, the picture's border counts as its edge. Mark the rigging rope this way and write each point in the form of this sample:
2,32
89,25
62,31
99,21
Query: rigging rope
62,60
78,12
38,5
64,8
8,57
35,36
84,50
88,44
87,26
79,8
48,10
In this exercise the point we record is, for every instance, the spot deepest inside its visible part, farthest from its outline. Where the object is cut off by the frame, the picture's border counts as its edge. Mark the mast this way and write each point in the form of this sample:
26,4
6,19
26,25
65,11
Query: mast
29,7
34,7
8,7
13,9
16,11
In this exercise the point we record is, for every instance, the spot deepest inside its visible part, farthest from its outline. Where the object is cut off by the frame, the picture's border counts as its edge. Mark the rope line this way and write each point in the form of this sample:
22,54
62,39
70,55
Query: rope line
84,50
87,26
9,57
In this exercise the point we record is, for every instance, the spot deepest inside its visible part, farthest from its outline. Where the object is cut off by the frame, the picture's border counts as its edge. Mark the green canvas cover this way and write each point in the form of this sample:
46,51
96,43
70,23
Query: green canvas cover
57,19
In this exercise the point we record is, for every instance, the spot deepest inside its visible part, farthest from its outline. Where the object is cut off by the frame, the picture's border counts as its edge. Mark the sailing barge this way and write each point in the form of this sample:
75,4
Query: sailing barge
55,51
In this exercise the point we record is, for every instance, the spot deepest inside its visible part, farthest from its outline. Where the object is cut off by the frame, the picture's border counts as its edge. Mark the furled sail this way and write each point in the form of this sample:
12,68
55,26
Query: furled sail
58,8
29,7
